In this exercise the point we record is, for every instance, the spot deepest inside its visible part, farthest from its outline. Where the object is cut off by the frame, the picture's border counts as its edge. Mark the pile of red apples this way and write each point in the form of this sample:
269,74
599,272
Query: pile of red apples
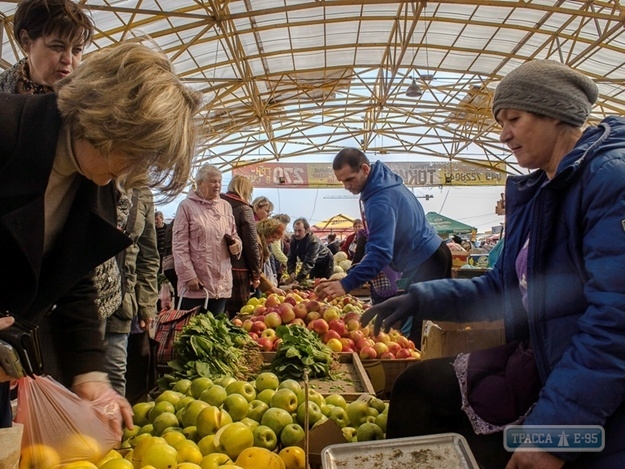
337,323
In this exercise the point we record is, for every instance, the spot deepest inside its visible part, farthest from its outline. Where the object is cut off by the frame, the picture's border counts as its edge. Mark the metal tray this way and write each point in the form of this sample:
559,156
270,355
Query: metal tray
444,451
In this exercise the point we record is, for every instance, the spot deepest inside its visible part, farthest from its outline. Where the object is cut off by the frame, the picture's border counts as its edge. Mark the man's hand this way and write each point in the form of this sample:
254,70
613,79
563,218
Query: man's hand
146,324
534,460
389,312
103,392
328,290
5,323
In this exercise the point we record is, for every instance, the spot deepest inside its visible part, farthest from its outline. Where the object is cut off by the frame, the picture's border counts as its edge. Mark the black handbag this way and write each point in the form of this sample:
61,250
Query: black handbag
23,338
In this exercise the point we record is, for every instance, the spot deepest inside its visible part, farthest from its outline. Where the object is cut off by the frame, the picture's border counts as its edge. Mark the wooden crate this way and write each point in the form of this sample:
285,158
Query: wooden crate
350,378
391,369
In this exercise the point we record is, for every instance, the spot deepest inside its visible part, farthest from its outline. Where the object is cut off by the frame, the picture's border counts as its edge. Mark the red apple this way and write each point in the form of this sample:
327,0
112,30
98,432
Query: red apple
352,325
265,344
411,345
260,310
331,334
312,305
383,337
380,348
298,322
331,313
367,353
362,343
286,313
300,310
290,300
356,335
404,353
347,349
269,334
402,341
276,343
366,331
387,356
253,335
312,316
258,327
247,324
272,300
352,315
273,320
339,326
347,342
320,326
393,347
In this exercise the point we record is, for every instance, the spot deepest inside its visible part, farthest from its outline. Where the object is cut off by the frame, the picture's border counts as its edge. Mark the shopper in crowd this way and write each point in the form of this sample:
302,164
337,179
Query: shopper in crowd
262,207
139,265
205,236
558,284
246,269
398,234
317,260
348,246
333,243
168,266
161,236
280,247
53,34
269,231
65,159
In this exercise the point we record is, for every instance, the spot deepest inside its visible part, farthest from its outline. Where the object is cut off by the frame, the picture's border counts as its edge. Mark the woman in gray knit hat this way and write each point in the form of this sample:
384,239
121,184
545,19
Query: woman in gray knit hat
558,285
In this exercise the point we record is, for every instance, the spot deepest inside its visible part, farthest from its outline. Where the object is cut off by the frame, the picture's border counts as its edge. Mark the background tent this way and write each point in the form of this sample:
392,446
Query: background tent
447,226
338,224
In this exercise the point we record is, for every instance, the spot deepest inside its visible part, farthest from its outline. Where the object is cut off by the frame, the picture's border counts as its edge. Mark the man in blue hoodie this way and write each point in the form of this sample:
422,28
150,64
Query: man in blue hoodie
399,236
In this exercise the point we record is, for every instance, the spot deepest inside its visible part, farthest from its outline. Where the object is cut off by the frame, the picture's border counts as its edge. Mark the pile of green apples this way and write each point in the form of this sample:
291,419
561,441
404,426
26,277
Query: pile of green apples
210,422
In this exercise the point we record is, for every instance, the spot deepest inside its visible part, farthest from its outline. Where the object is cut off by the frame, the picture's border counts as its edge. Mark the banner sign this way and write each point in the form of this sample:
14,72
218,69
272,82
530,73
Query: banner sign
416,174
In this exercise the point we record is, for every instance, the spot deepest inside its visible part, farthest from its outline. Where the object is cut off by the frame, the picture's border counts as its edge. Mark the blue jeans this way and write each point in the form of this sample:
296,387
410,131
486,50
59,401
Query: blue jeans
115,358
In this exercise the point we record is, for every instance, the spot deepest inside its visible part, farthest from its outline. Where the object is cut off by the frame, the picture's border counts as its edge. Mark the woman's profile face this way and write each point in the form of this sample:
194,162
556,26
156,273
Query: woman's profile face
263,212
97,167
52,57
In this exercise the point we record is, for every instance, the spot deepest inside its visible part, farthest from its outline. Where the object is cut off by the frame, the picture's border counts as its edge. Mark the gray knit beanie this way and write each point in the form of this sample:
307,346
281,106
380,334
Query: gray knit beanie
548,88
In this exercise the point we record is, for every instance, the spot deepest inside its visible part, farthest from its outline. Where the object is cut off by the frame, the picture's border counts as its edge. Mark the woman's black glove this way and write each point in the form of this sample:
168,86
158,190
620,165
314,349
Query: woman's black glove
389,312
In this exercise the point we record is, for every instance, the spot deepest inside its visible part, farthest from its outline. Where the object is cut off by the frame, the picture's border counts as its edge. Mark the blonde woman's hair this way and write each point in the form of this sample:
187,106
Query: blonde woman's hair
262,201
241,186
128,99
266,228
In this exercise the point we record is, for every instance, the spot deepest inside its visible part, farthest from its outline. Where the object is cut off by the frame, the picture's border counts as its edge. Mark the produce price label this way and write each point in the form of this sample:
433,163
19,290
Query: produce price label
416,174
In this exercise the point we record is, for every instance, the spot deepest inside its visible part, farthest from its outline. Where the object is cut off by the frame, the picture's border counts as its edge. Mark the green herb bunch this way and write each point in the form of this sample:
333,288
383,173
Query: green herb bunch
301,349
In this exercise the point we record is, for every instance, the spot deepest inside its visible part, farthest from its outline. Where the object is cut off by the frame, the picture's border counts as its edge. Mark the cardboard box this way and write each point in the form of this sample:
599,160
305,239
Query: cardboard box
326,434
478,260
459,258
447,339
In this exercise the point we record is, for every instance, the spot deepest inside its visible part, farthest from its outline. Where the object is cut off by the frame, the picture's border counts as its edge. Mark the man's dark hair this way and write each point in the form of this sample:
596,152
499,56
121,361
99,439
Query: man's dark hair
331,237
303,221
352,157
44,17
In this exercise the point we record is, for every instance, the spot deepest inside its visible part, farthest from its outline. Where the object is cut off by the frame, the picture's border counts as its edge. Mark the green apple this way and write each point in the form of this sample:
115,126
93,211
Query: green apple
266,395
290,384
163,421
314,414
250,422
191,433
182,403
199,385
325,409
377,404
267,380
237,406
212,419
214,460
243,388
276,419
174,437
234,438
224,381
256,409
135,440
381,420
265,437
349,433
337,400
285,399
191,411
215,395
183,386
313,396
149,429
171,429
371,412
141,411
369,431
160,456
128,434
339,416
291,435
357,411
207,445
169,396
160,408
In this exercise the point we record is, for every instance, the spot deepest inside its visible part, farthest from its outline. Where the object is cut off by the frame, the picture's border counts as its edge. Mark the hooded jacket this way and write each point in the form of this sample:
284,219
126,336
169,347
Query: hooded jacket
399,234
199,247
576,290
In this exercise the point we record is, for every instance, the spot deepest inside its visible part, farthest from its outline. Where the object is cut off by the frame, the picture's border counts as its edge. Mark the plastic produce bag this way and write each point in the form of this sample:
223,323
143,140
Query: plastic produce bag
60,427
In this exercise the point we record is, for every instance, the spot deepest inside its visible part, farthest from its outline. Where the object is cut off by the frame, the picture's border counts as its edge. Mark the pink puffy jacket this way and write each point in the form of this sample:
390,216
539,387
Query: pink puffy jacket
199,247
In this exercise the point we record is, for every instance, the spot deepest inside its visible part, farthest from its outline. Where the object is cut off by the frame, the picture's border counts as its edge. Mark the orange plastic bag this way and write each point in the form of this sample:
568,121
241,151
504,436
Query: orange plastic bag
60,427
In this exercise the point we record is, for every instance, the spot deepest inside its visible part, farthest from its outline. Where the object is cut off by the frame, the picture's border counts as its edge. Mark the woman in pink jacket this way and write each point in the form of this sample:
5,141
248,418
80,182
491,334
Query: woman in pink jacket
204,238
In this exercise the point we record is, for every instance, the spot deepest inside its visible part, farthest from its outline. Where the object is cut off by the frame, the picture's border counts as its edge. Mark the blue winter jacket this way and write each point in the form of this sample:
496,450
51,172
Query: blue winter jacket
399,234
576,287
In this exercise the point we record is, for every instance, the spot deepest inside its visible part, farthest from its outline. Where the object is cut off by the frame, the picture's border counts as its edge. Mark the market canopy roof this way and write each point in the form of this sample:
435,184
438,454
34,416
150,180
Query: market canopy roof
446,225
337,223
288,78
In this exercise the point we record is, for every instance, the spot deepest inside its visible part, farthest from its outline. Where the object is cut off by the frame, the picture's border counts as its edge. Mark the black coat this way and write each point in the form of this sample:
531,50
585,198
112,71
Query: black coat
55,290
